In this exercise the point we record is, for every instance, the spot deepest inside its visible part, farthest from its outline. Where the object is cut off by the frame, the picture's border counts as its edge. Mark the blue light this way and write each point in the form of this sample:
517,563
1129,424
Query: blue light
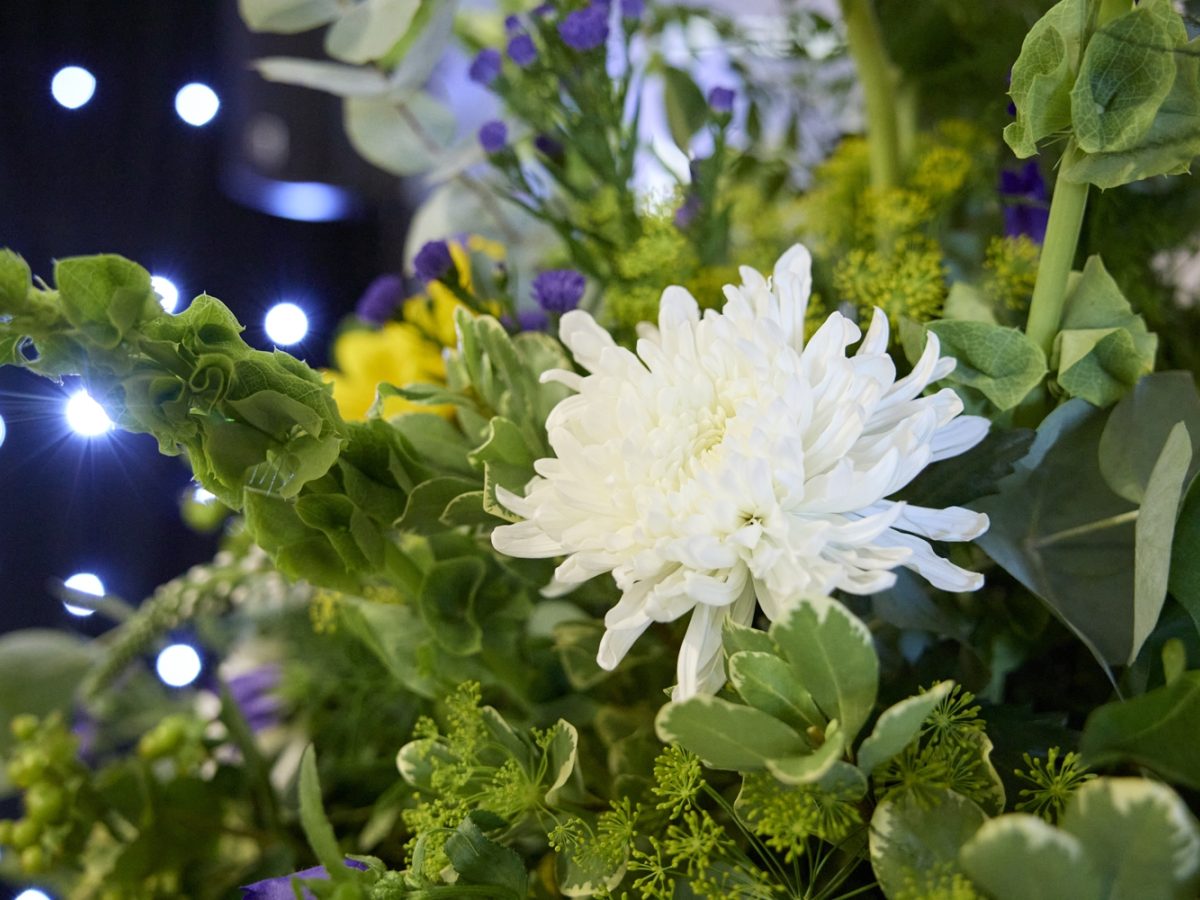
301,201
73,86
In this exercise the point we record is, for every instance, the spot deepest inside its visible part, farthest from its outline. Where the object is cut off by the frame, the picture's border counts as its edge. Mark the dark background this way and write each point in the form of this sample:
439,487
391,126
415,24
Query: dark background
124,174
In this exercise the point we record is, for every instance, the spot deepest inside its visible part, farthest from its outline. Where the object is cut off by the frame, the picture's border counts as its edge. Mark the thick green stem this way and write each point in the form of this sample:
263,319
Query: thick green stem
1058,253
878,79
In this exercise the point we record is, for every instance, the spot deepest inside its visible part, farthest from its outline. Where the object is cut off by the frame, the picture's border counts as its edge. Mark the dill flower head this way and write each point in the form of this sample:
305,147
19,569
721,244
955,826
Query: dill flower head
730,462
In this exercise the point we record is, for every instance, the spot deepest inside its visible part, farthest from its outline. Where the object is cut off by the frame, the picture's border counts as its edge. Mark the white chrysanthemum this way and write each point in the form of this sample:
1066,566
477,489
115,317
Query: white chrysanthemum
728,462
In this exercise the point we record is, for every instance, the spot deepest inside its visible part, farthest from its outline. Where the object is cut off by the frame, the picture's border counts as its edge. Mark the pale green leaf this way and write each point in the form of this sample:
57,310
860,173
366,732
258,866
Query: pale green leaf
898,725
810,768
312,817
287,16
1001,363
912,841
1043,75
369,29
767,682
334,78
1021,857
402,138
727,735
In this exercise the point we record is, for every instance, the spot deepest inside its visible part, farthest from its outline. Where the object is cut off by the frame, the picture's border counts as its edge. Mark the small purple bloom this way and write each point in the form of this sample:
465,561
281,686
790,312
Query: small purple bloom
687,212
380,299
493,136
486,67
1026,210
549,148
559,290
280,888
633,9
585,29
254,692
512,24
521,50
720,99
542,11
433,261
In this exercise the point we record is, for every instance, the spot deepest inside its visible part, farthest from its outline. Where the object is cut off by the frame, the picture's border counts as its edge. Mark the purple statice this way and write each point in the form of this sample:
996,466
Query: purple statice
720,100
550,148
1026,211
687,212
512,25
380,299
521,50
433,261
585,29
280,887
632,9
493,136
485,68
559,290
254,694
527,320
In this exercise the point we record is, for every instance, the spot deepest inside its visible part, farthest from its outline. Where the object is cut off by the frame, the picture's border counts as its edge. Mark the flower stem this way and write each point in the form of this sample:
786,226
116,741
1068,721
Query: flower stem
1058,253
878,79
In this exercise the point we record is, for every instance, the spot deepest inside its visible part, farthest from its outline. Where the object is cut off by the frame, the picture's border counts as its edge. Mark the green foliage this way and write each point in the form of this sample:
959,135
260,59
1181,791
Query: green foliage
1154,730
1001,363
898,725
1120,838
1055,780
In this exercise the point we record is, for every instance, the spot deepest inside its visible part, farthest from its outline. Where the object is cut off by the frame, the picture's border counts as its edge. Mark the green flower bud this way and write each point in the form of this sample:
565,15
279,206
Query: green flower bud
45,802
24,727
33,861
25,833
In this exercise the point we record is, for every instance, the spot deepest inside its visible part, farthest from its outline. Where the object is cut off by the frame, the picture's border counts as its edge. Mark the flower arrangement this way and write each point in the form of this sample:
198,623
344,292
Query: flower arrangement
779,480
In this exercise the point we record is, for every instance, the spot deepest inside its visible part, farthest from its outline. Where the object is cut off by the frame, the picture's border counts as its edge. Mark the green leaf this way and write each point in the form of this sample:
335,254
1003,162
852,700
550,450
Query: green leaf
1043,75
915,844
1138,428
15,279
1001,363
1184,581
312,817
1154,532
428,501
768,683
736,638
898,725
40,672
104,295
479,860
1021,857
333,78
727,735
810,768
403,139
562,764
369,29
1156,730
447,603
1140,837
1127,71
436,441
287,16
834,659
970,475
686,108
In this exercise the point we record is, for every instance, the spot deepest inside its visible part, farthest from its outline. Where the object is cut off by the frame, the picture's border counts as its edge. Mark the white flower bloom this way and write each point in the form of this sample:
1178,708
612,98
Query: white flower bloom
728,462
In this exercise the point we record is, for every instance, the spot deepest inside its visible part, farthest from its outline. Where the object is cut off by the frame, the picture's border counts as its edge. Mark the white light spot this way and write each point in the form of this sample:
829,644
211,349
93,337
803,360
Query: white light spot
168,294
286,323
178,665
86,583
197,103
3,431
73,86
85,416
203,495
32,894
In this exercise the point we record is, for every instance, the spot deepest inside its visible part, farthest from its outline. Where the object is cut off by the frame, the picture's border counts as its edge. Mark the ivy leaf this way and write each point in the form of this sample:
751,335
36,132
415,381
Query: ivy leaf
898,725
1022,857
834,659
1043,75
312,817
727,735
1127,72
916,843
1001,363
1156,730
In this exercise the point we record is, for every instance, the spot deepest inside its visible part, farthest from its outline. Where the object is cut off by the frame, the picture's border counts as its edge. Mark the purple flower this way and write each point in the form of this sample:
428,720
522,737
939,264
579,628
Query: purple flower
1026,211
380,299
433,261
633,9
521,50
559,290
720,99
254,690
493,136
512,24
549,148
585,29
280,888
486,67
527,320
687,212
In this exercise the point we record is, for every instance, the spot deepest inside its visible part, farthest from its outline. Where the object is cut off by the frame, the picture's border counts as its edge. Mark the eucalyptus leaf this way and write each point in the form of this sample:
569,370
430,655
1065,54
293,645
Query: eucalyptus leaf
1184,582
898,725
287,16
401,137
334,78
727,735
369,29
914,844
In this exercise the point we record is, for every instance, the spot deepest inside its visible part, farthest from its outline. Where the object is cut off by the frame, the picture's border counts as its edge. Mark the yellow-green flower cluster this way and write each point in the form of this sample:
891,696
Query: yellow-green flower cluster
785,816
1011,264
908,281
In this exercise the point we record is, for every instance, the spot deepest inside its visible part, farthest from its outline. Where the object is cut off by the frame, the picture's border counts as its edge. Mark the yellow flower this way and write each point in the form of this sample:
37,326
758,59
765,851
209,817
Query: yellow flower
433,313
396,354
